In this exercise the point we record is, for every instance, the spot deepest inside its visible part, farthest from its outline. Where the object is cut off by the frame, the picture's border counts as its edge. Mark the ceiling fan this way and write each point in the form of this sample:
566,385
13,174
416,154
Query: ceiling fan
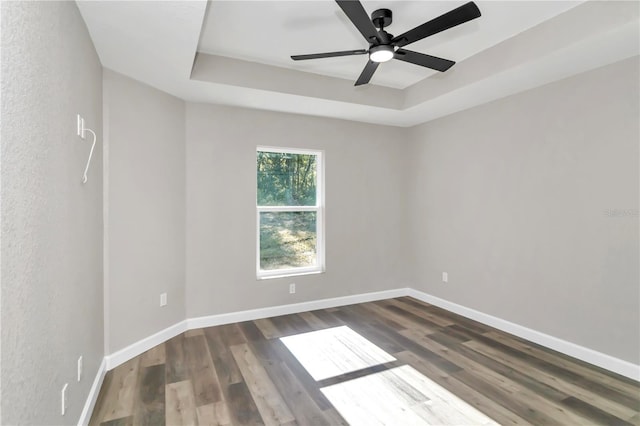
384,46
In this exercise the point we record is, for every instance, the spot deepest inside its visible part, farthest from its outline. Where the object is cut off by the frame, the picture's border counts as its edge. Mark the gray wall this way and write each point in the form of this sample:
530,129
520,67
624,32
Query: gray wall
145,181
517,200
365,198
530,203
51,223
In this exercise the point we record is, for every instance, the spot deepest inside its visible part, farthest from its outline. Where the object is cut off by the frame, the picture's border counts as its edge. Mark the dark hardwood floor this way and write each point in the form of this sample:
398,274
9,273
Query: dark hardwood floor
419,364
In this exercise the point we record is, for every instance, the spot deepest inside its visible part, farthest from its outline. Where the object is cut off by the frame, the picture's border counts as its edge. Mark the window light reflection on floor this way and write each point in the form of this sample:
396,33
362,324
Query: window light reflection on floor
396,396
334,351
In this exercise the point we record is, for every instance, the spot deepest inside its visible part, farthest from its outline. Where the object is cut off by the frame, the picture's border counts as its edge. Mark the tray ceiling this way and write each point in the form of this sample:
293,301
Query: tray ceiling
237,52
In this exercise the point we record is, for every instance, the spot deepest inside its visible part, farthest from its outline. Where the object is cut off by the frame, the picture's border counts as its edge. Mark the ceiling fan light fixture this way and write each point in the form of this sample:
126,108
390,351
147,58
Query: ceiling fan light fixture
382,53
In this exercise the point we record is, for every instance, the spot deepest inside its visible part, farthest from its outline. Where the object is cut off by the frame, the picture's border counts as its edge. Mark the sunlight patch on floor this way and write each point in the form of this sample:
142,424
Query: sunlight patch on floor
400,396
334,351
397,396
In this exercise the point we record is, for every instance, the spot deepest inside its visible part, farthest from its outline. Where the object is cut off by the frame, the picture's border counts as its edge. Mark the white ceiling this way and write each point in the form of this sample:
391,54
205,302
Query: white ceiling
270,32
244,49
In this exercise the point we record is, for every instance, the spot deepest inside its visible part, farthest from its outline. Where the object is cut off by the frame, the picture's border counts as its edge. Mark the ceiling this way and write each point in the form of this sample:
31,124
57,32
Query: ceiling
287,28
237,52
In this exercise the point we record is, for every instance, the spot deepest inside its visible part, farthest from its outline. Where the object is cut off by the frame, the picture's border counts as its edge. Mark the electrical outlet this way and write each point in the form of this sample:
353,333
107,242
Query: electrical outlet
292,288
445,277
63,407
163,299
80,368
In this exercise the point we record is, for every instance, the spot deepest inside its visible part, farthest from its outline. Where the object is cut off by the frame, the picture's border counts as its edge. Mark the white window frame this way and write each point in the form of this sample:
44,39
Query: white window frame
318,208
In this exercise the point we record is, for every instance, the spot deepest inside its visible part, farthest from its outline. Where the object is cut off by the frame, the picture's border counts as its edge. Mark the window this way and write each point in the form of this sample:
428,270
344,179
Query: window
289,212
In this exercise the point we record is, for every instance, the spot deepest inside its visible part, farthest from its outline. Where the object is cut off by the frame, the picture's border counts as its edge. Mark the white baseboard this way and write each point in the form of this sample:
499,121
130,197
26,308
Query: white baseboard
591,356
141,346
599,359
85,416
273,311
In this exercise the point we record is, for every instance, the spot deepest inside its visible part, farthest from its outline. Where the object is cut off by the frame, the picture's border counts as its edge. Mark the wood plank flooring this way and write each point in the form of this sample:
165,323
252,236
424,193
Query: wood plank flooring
392,362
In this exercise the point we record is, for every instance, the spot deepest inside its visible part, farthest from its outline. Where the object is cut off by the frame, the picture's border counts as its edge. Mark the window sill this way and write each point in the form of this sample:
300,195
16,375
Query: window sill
288,275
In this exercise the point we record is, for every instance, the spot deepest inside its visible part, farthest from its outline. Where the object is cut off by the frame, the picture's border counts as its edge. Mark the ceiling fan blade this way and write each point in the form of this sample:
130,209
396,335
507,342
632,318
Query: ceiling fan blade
329,54
457,16
359,17
367,73
421,59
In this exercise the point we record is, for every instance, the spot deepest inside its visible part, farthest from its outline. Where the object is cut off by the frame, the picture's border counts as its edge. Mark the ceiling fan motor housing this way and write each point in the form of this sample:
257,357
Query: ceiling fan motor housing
381,18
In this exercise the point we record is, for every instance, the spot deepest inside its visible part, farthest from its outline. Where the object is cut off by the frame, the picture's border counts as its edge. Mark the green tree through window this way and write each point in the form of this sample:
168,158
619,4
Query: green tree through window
289,212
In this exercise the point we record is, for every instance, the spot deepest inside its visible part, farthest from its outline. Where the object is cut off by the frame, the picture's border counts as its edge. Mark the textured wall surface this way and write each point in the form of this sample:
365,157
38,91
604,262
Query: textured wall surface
144,136
51,223
364,215
530,204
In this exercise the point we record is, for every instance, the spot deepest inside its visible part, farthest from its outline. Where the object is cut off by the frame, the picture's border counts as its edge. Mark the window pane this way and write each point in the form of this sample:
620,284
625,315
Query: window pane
287,240
286,179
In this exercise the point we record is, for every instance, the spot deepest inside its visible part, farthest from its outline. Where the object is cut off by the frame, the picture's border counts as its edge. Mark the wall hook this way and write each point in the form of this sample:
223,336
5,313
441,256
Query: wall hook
93,145
82,133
